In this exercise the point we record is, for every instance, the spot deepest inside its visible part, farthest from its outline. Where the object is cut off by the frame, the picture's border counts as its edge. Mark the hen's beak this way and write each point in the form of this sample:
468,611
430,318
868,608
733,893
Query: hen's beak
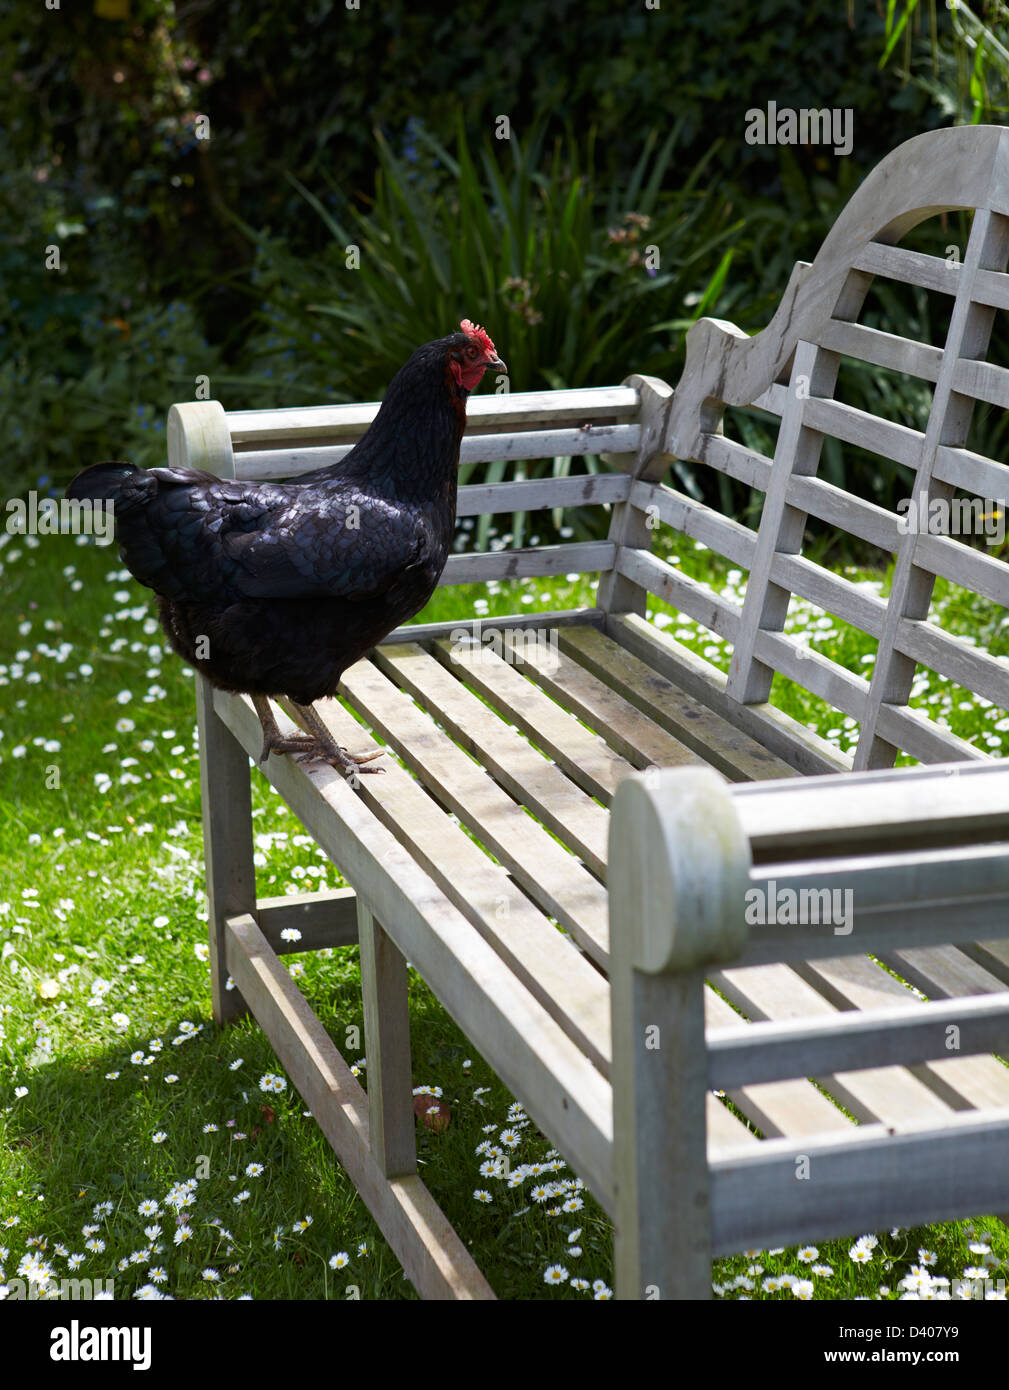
495,361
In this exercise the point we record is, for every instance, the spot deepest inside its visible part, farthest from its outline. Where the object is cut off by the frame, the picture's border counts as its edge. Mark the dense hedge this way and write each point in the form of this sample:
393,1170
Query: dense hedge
301,87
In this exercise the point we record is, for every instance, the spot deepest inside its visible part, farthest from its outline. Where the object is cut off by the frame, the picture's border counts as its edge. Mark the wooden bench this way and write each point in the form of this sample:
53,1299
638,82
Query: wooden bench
606,968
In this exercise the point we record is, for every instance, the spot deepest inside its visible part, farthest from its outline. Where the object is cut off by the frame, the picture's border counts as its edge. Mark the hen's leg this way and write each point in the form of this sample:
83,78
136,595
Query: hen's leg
273,740
326,747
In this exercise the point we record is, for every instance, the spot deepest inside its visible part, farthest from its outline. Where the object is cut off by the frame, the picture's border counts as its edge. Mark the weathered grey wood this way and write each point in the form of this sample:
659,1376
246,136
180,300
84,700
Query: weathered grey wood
329,423
579,490
583,756
985,675
911,267
543,869
952,803
867,1180
852,426
624,727
992,287
949,420
561,1089
829,592
324,919
675,906
954,893
701,523
777,1051
972,569
432,1255
736,460
226,797
562,981
853,514
628,526
387,1041
983,380
810,668
972,472
791,744
577,820
690,596
199,437
689,705
962,1082
881,349
781,528
890,1095
579,557
612,440
285,442
794,1108
426,632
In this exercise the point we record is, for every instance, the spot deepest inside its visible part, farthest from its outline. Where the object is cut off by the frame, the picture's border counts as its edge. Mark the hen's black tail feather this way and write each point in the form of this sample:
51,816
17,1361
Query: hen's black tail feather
102,481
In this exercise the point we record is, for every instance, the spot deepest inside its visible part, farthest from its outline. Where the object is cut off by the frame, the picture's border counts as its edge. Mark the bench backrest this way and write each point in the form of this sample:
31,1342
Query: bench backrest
790,370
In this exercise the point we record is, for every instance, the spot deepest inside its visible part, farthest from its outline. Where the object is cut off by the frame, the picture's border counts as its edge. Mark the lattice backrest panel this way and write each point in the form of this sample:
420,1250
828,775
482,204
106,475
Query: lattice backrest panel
791,369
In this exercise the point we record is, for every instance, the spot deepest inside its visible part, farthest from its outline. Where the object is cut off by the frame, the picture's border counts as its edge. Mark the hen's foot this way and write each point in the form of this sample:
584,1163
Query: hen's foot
273,740
325,746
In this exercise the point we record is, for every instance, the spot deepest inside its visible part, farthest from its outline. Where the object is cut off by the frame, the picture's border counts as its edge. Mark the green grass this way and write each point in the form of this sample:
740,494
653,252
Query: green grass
103,940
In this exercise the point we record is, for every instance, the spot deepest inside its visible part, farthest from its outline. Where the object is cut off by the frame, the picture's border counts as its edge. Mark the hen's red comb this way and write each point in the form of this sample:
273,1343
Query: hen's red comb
480,334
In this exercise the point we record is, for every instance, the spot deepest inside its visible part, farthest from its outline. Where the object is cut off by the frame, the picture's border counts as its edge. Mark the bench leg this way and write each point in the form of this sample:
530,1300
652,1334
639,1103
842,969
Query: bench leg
227,841
662,1243
387,1040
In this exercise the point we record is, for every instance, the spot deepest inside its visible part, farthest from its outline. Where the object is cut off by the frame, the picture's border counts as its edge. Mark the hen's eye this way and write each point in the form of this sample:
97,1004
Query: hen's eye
471,352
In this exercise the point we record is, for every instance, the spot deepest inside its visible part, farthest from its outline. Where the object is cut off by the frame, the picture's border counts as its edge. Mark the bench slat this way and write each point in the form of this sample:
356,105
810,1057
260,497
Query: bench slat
881,349
712,738
578,821
294,459
950,656
865,431
581,490
562,980
971,569
624,727
955,804
962,1082
972,473
546,872
727,1134
697,600
868,1181
889,1095
252,429
792,1107
902,1034
582,755
985,381
579,557
913,267
923,738
831,504
720,533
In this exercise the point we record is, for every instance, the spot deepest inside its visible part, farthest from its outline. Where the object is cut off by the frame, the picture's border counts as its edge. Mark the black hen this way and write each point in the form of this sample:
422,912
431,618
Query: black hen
276,588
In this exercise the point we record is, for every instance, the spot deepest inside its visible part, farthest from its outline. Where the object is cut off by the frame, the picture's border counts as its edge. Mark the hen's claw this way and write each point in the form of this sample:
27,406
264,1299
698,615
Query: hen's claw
317,745
295,743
